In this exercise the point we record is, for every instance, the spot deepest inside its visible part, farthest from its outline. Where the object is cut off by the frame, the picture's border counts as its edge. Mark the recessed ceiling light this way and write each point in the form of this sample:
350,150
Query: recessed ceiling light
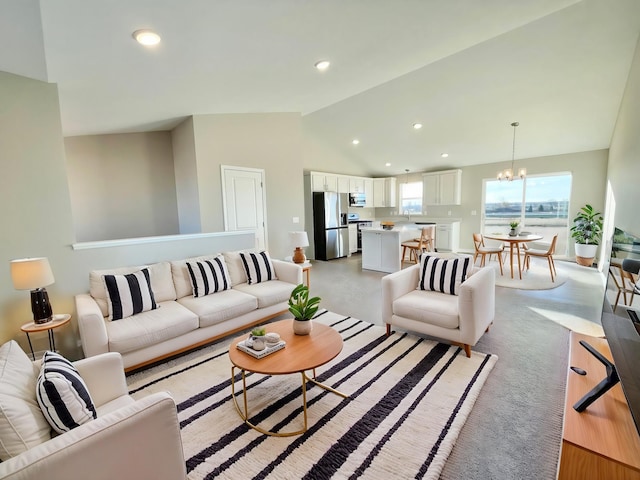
322,64
417,126
387,164
444,155
146,37
355,141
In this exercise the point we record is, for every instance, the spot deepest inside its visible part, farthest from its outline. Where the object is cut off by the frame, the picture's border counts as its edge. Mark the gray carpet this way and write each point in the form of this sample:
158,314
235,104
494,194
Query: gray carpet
514,430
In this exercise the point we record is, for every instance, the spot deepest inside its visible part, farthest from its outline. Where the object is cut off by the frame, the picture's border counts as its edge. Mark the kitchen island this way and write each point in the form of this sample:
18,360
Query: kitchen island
381,248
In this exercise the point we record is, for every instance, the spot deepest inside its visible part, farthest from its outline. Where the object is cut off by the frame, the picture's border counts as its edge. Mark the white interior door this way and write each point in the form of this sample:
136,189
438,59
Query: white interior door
244,202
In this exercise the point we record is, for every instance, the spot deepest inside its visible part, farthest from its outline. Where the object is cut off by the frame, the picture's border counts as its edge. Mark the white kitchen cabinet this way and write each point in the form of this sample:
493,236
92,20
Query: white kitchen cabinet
356,185
442,188
384,192
343,184
448,237
381,250
368,192
353,238
324,182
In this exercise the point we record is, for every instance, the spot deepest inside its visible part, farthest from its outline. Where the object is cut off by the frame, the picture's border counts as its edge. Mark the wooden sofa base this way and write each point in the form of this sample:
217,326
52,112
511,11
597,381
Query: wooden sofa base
466,347
197,345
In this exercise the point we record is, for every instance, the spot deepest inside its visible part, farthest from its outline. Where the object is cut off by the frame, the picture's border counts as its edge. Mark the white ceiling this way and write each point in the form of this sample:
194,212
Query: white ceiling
465,69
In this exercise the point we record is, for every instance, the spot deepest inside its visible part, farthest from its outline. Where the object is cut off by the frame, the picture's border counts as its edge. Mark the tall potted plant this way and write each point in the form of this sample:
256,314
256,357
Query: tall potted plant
587,232
303,309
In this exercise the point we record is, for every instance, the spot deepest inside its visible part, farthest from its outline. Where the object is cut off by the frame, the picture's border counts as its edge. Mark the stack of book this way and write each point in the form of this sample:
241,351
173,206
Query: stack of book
269,349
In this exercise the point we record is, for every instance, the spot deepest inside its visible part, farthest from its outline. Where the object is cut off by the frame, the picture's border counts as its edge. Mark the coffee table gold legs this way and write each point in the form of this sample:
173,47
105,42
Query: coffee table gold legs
244,415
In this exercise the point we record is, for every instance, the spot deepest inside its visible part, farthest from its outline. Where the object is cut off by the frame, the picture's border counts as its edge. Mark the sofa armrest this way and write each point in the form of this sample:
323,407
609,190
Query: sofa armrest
287,271
396,285
104,376
93,332
141,440
476,304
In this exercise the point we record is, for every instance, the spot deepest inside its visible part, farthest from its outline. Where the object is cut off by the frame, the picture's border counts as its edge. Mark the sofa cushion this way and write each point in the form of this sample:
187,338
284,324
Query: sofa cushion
443,275
159,273
62,394
429,307
168,321
268,293
235,267
257,267
209,276
22,424
129,294
220,306
180,274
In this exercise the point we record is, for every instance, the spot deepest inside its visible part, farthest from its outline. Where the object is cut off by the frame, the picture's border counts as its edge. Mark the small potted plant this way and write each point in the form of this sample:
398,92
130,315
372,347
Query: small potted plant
587,232
303,309
514,225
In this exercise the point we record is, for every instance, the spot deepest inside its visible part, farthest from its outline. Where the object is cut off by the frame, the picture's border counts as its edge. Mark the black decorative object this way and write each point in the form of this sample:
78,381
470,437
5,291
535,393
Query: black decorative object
604,386
40,306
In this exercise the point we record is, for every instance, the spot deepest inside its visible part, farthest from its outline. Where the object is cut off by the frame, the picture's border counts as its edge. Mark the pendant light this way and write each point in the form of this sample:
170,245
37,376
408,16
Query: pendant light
508,173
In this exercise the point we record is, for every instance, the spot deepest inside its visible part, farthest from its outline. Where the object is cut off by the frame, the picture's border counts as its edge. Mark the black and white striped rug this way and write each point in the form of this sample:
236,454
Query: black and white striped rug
408,399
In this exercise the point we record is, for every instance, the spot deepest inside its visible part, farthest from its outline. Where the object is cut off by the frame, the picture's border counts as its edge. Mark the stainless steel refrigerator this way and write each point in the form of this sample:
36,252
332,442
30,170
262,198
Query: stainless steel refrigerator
330,227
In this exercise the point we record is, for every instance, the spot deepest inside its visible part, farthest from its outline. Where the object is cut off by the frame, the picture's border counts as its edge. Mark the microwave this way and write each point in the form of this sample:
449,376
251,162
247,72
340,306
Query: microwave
357,200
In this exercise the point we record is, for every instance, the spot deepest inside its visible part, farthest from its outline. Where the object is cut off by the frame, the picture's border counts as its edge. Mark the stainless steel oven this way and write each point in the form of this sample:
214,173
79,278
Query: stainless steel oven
355,218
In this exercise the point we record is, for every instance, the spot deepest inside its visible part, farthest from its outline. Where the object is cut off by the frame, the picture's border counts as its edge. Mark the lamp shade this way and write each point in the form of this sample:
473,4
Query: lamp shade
31,273
298,239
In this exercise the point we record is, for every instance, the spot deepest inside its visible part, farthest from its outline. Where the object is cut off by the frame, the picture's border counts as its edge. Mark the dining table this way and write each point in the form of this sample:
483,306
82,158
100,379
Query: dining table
514,245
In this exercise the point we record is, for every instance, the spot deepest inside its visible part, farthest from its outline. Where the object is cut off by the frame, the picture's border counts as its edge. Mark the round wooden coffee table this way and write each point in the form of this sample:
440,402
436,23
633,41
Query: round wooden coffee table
302,353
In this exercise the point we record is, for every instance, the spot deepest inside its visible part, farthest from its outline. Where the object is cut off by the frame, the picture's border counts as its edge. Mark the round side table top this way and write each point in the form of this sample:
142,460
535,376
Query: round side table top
58,320
302,352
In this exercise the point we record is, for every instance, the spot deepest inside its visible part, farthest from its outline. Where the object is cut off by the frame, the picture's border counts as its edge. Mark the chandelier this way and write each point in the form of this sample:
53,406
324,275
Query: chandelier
508,173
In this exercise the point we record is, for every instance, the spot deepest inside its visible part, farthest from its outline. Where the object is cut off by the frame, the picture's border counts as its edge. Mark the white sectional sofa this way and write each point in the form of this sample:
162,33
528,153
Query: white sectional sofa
181,322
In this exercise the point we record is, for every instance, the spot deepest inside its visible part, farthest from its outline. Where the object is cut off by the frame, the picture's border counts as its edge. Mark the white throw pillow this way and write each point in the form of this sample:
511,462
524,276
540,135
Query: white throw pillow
209,276
443,275
257,267
22,424
62,394
129,294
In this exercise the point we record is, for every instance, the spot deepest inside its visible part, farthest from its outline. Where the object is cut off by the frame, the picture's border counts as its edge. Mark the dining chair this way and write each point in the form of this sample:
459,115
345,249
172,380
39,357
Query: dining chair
482,250
418,245
627,283
548,254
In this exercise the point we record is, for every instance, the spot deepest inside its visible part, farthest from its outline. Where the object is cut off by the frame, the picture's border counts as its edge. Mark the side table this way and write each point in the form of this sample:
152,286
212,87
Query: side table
31,327
306,268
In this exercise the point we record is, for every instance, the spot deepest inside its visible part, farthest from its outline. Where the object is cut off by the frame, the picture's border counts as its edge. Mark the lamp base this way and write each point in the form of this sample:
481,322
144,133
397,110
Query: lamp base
40,306
298,256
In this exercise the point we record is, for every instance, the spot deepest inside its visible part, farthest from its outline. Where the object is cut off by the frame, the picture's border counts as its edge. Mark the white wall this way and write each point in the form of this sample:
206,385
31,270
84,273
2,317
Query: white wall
624,154
186,175
122,186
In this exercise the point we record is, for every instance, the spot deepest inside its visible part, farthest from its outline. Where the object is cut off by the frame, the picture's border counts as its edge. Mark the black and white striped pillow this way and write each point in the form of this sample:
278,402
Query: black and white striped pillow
62,394
209,276
129,294
443,275
258,267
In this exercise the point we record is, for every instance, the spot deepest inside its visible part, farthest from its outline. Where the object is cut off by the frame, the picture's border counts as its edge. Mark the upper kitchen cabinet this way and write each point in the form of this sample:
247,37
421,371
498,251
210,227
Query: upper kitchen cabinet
356,185
368,192
442,188
343,184
384,192
324,182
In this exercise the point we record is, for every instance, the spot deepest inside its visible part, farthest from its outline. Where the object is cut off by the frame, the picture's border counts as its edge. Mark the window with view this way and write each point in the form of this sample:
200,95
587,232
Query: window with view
540,203
411,198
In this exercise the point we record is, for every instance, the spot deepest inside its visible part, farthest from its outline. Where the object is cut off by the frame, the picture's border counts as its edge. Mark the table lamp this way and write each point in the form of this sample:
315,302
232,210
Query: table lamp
299,240
34,274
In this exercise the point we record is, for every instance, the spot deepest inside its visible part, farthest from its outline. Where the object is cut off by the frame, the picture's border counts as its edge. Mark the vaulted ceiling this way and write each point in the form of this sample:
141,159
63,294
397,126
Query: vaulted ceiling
464,69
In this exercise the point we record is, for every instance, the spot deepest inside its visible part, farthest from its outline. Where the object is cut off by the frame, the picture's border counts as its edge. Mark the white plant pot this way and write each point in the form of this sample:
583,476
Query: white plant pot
585,253
302,327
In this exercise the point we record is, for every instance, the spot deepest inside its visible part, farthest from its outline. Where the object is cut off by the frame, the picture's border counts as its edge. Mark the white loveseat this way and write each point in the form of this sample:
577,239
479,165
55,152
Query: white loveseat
461,319
128,439
181,322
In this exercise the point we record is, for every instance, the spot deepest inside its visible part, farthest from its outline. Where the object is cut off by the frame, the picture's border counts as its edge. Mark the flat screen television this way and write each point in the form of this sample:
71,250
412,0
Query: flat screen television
620,331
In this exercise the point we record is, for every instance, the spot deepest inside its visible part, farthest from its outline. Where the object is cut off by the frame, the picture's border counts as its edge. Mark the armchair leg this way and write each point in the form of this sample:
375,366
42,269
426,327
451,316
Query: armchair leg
467,349
388,329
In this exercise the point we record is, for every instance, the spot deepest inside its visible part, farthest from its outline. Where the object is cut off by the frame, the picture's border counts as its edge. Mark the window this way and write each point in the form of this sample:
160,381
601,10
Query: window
411,198
540,203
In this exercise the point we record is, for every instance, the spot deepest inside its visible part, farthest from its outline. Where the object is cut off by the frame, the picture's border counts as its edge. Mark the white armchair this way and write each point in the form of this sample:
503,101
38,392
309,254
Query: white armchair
461,319
129,439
